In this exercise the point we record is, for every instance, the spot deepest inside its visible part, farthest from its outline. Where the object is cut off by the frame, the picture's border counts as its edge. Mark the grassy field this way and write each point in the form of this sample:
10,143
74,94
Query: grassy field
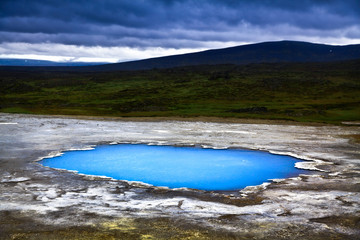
306,92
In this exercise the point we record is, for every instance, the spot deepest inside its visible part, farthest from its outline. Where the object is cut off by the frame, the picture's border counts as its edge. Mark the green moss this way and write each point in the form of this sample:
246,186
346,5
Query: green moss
15,110
321,92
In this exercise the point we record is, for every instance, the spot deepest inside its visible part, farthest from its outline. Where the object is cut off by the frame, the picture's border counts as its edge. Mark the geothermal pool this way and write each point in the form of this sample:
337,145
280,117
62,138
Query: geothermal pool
176,167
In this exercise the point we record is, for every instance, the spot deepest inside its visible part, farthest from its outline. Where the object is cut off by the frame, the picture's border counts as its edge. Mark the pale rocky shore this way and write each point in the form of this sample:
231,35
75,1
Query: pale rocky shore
37,202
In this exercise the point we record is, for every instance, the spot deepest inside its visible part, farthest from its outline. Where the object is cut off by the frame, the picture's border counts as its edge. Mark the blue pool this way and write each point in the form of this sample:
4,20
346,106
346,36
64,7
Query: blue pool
174,167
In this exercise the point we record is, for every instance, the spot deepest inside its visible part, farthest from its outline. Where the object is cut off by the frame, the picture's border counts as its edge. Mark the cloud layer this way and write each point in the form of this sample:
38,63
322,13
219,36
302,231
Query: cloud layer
145,25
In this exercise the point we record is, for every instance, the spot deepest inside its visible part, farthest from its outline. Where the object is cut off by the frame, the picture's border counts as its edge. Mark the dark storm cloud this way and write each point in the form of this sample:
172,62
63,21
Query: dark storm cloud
174,23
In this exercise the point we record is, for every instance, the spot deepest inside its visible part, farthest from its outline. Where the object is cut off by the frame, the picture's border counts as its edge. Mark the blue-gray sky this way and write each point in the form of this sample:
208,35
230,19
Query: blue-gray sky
119,30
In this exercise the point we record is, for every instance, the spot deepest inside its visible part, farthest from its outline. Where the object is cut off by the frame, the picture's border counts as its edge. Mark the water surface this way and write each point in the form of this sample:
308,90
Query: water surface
174,167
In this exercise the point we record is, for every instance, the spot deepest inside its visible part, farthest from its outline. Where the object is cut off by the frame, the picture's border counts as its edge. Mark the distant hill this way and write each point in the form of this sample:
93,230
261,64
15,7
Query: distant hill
267,52
42,63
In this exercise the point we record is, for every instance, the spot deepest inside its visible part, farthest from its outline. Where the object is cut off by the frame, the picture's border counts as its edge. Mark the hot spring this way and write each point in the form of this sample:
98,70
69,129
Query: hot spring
175,167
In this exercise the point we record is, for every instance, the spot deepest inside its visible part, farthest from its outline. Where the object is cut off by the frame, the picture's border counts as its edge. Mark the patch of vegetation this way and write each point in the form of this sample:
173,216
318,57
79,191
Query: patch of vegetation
354,138
307,92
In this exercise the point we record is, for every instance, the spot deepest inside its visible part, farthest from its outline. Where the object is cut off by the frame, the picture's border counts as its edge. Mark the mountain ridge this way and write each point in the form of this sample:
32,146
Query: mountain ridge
42,63
265,52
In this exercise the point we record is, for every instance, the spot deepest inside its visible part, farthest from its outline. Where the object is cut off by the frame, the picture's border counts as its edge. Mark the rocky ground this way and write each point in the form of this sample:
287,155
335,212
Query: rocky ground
37,202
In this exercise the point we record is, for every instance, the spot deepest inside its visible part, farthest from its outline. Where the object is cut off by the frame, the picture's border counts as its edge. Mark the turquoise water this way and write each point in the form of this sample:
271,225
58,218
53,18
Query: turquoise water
174,167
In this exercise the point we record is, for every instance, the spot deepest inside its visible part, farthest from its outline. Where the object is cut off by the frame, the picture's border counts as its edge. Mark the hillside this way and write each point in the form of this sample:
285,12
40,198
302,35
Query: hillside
316,92
267,52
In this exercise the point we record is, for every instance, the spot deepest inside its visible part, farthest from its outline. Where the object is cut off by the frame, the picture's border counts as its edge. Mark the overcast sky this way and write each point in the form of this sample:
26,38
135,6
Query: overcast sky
121,30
